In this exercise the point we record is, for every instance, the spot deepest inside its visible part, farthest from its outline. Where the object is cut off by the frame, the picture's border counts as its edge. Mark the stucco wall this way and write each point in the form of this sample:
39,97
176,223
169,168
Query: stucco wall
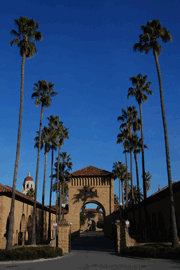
20,209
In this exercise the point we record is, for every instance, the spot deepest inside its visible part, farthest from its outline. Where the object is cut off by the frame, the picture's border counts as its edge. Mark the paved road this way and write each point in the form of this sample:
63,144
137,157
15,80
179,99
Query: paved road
92,252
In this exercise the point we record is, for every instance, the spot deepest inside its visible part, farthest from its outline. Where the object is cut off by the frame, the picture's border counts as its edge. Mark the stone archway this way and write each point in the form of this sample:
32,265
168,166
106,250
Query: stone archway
89,184
93,216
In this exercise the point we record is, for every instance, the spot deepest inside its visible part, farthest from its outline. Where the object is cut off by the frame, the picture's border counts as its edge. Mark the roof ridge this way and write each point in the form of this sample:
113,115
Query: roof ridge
91,171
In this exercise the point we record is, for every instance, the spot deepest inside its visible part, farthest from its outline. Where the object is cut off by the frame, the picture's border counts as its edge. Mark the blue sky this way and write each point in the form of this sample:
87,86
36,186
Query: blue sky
87,53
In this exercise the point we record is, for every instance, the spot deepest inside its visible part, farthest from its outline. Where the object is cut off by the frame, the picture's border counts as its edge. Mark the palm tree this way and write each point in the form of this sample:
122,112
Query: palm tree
27,30
141,86
119,170
148,41
130,120
45,141
53,122
43,94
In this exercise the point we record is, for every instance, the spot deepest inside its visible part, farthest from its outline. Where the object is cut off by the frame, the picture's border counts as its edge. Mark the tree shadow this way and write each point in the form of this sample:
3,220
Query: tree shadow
85,193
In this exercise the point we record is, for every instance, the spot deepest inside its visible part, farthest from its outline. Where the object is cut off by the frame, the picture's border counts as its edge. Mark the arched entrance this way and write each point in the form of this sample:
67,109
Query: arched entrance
91,217
91,185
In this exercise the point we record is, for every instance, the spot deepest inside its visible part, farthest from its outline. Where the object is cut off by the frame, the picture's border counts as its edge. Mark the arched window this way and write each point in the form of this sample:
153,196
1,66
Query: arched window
31,185
27,185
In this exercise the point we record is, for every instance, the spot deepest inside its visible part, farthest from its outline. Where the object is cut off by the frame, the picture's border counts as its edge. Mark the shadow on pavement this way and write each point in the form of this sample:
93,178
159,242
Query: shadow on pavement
90,240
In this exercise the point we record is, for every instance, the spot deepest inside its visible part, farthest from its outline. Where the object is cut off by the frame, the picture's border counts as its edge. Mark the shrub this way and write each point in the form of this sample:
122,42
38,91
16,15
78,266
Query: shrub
30,253
152,251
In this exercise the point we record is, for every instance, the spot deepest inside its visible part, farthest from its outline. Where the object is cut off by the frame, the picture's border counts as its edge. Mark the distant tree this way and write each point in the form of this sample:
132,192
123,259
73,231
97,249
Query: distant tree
115,199
31,193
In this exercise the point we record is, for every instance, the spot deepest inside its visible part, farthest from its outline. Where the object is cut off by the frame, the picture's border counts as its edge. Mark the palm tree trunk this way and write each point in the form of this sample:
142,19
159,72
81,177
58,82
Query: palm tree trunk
63,198
60,199
175,242
122,188
119,191
57,186
126,181
11,218
119,196
132,194
43,195
137,175
57,216
33,241
49,231
143,171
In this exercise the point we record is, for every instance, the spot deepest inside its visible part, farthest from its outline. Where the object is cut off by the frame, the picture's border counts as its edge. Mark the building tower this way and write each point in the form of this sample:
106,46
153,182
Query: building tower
27,184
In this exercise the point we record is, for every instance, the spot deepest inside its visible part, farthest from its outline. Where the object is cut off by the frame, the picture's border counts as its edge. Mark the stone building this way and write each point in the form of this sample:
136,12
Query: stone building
23,212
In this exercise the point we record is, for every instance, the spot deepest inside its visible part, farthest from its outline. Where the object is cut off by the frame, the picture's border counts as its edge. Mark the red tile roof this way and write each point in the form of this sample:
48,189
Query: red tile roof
28,178
91,171
6,189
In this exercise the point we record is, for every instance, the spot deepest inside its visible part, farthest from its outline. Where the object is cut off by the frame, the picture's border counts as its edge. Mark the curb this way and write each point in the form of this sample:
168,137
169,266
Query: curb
38,260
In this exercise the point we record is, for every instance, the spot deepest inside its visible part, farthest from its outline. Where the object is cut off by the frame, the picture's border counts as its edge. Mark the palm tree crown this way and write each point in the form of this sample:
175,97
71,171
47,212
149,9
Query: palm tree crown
43,93
148,40
27,30
141,85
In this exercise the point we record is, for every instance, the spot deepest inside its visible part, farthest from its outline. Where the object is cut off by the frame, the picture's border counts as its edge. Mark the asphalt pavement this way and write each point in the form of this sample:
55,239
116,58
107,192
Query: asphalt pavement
92,251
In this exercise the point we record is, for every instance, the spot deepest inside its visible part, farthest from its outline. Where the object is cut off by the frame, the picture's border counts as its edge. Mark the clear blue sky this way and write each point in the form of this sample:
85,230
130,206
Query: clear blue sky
87,53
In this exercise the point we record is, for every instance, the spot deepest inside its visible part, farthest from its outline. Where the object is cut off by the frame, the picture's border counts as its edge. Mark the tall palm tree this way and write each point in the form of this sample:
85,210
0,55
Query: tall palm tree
130,120
153,30
53,124
119,170
27,30
45,141
141,86
43,93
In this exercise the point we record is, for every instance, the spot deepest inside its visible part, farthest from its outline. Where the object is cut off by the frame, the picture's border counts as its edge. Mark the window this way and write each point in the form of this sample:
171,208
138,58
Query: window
27,185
